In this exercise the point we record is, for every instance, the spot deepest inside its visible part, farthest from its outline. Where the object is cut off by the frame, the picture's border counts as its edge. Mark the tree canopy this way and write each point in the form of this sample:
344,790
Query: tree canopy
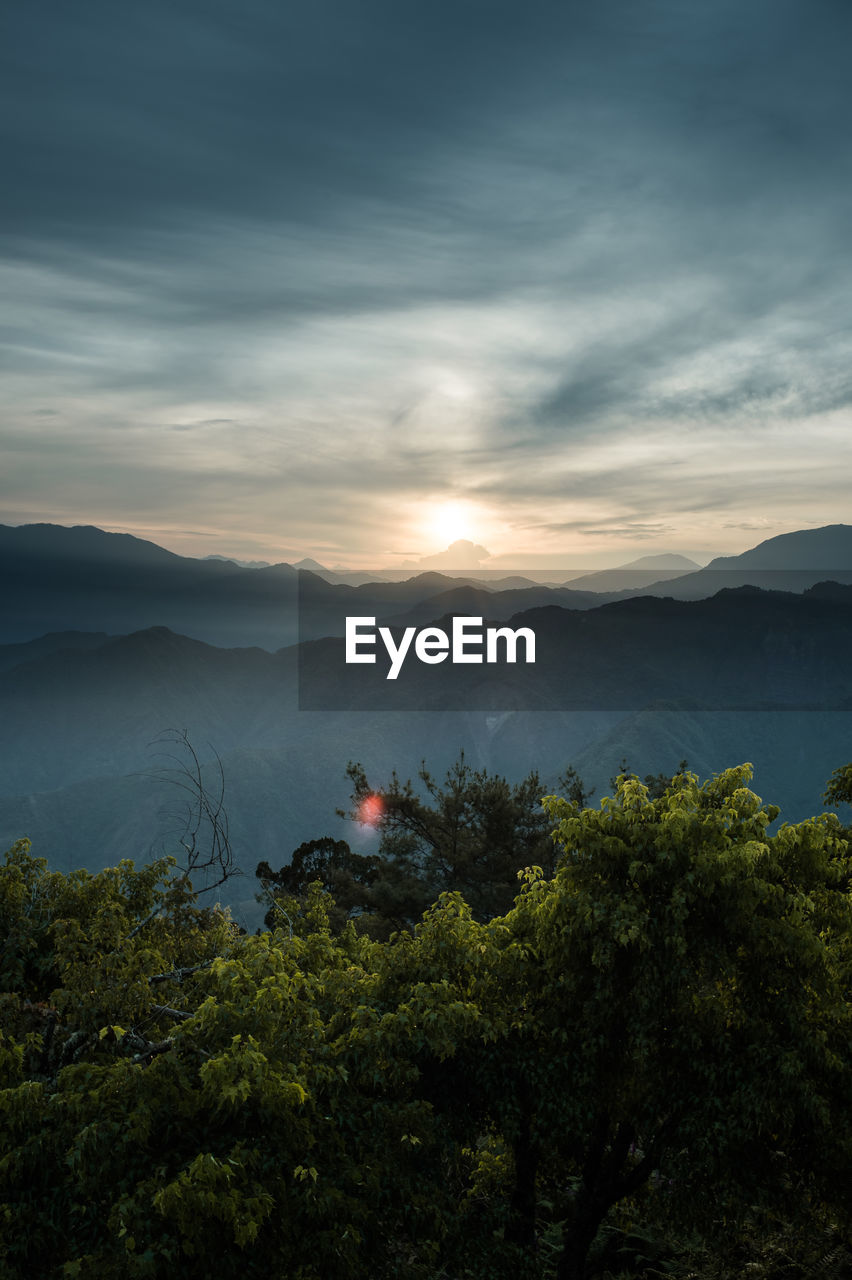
655,1029
471,833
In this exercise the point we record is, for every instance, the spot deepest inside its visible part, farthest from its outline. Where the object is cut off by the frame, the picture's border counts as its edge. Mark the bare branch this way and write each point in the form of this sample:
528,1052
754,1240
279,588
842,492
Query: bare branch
264,884
145,1049
180,1014
74,1047
147,920
178,975
205,838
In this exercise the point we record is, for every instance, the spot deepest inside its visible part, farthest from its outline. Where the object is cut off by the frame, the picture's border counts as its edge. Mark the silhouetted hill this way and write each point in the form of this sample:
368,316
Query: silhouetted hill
338,576
742,648
652,679
73,713
91,696
82,544
14,655
55,579
82,579
828,548
789,562
244,564
645,571
498,606
324,606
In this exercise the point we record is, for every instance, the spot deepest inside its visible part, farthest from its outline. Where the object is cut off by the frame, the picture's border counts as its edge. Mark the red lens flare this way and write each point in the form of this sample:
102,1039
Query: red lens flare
371,811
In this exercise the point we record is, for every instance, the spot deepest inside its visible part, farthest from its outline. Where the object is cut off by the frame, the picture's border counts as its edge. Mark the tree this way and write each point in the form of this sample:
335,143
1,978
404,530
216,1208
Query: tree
205,841
471,834
670,1009
186,1100
838,789
657,783
93,968
662,1025
346,876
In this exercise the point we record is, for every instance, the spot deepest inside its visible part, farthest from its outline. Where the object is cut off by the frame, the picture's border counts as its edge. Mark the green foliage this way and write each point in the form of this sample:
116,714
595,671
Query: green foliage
346,876
642,1066
470,834
685,958
838,793
839,788
656,783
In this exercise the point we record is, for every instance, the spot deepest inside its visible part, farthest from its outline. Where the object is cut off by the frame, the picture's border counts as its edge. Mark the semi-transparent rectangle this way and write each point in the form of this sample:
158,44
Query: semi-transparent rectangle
705,640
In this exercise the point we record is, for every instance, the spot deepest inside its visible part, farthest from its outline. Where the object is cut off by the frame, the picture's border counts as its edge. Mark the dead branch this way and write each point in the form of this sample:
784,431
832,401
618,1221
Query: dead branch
205,837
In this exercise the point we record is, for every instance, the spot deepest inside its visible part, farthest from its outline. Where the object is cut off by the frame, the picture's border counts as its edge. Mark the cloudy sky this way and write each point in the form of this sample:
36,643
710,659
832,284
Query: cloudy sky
354,278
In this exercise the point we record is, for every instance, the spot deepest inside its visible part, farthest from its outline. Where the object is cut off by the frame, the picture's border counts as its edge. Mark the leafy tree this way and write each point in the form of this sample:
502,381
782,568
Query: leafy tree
346,876
182,1100
636,1006
658,1029
838,790
572,786
657,783
471,833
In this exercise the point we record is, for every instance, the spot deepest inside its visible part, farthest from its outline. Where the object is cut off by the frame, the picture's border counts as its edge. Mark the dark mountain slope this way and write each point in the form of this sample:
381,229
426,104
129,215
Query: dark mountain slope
790,562
82,579
75,714
742,648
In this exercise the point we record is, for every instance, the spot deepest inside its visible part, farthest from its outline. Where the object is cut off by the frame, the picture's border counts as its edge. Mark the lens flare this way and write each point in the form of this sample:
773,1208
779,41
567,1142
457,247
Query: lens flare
371,811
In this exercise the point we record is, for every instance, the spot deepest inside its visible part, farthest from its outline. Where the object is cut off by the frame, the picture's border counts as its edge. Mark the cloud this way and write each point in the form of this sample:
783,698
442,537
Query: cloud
633,529
295,269
749,525
461,554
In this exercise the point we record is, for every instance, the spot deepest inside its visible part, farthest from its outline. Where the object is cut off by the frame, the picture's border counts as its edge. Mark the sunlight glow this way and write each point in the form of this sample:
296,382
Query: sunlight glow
371,810
449,521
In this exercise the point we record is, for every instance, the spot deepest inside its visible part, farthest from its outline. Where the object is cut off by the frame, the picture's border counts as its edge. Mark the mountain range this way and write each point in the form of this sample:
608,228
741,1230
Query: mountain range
647,571
55,579
110,641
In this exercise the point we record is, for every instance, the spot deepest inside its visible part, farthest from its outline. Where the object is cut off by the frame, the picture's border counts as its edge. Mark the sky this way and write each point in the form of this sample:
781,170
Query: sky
357,278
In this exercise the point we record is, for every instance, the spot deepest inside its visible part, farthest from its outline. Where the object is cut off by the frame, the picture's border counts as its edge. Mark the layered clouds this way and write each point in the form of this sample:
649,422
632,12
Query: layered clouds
283,279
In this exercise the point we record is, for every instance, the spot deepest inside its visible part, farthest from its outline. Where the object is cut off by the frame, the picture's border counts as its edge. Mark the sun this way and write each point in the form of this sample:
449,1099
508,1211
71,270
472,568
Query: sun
448,522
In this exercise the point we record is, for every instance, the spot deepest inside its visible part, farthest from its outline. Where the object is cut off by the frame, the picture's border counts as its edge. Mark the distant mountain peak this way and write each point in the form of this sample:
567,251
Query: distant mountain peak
636,574
667,560
81,542
243,564
827,547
